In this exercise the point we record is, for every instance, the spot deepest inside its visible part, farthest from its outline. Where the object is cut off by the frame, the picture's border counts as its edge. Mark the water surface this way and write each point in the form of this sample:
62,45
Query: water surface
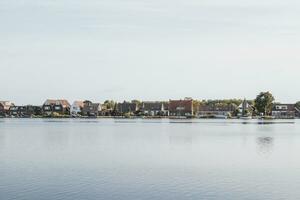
149,159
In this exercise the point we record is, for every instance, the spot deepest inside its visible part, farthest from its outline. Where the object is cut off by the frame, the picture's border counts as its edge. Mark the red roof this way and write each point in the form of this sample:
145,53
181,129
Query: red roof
62,102
186,105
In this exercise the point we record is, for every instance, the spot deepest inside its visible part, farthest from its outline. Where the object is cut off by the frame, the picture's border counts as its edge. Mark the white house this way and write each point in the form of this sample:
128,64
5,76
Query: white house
4,107
76,108
244,109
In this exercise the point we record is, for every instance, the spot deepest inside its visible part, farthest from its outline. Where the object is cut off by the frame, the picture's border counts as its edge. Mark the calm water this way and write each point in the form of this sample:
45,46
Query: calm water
149,159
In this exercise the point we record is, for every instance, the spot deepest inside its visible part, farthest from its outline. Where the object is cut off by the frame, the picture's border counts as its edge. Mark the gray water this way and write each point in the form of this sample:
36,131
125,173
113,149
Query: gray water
149,159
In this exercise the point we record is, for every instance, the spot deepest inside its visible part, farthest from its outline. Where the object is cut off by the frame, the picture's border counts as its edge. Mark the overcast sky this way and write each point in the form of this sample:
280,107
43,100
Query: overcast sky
148,49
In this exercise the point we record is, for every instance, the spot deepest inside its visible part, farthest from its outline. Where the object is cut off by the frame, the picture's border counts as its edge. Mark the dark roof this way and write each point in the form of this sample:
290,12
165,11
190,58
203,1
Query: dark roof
153,105
89,106
25,107
226,108
127,107
283,107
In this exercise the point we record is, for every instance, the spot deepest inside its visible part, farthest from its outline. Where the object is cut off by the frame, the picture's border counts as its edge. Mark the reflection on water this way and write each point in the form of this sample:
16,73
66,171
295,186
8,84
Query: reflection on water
265,145
149,159
2,141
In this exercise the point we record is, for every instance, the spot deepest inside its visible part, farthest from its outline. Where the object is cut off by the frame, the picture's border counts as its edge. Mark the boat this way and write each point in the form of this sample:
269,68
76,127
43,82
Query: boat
178,117
245,117
220,117
212,117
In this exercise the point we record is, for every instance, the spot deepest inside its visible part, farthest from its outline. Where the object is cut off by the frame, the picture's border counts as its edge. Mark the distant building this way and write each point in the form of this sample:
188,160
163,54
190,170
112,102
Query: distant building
216,110
25,111
14,111
127,107
108,108
154,108
76,108
91,109
181,108
297,112
60,106
4,107
284,111
245,109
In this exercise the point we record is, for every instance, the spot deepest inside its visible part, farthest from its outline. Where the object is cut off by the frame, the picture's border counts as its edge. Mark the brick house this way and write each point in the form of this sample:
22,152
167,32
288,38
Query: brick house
181,108
60,106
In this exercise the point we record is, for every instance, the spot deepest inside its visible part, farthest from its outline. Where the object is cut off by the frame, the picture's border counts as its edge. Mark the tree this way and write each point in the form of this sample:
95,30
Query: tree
263,103
136,101
298,104
109,104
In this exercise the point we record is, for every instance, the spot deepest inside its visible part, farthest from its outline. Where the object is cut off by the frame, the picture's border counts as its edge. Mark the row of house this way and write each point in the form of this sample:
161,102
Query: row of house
87,108
173,108
51,107
78,108
147,108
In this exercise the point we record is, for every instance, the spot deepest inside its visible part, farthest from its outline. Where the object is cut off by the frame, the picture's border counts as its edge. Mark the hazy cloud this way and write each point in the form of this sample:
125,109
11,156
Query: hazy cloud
125,49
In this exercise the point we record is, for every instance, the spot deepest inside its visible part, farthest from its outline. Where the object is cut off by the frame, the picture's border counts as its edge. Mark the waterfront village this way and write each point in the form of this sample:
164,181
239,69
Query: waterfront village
264,106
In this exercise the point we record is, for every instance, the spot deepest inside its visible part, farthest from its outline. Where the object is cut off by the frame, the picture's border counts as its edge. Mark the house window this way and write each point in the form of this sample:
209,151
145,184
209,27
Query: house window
281,107
57,108
47,108
180,108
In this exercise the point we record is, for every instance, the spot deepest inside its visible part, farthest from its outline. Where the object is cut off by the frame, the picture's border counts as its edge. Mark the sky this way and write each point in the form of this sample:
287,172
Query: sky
148,49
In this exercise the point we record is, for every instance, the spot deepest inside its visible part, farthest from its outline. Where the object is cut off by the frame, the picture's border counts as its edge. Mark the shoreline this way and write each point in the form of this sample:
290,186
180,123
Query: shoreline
151,118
